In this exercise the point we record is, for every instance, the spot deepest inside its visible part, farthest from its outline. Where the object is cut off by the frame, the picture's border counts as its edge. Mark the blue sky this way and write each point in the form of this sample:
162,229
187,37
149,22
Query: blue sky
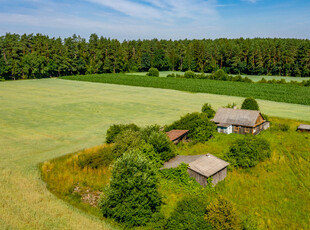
162,19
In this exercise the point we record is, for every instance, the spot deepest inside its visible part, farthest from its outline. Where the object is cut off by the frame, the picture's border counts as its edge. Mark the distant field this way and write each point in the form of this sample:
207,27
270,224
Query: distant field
254,78
273,92
44,119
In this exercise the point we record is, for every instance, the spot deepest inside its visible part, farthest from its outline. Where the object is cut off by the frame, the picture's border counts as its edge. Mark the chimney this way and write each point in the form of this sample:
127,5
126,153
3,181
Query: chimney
235,107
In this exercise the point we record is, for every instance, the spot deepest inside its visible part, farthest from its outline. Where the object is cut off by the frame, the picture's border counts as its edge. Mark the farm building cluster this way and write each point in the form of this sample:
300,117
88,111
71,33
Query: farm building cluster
227,120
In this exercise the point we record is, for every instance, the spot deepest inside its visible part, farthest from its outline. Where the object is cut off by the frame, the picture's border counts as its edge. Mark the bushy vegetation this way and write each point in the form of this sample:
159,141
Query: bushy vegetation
222,215
153,72
248,151
250,104
132,197
207,109
188,215
282,93
199,126
115,129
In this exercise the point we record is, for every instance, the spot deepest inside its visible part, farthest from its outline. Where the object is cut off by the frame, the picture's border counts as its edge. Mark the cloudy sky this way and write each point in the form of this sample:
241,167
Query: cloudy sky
162,19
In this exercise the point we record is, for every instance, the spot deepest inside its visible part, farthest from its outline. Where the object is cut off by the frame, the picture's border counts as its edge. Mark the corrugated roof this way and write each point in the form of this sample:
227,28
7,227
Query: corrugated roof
206,164
303,126
175,134
236,116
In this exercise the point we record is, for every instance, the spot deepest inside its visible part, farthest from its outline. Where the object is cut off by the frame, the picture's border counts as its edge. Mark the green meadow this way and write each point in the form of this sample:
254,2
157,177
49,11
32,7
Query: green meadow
48,118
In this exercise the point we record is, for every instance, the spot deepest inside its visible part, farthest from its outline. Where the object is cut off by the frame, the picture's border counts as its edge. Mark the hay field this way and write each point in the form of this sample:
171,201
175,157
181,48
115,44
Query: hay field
43,119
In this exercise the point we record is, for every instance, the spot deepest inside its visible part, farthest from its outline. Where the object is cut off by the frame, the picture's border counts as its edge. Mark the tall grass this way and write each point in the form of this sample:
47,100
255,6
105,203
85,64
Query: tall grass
275,92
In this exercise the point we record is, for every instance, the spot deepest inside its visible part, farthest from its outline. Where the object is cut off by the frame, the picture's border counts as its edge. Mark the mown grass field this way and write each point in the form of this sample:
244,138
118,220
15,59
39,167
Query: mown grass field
274,92
254,78
44,119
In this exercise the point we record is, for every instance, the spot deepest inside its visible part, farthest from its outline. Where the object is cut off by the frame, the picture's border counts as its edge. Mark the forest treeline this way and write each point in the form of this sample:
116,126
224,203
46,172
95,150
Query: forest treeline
37,56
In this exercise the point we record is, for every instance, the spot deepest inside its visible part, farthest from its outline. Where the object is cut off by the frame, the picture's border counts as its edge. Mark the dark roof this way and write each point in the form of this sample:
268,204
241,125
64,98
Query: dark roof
175,134
241,117
304,127
206,164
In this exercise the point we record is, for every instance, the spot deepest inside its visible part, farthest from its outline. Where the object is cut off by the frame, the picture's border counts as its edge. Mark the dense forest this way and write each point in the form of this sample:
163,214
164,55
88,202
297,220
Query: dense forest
37,56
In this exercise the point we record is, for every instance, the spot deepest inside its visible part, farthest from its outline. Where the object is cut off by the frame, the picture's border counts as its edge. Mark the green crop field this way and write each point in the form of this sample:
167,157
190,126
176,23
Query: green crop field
274,92
254,78
44,119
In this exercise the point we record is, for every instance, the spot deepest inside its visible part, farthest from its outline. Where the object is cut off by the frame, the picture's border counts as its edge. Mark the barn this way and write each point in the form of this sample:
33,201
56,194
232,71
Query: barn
240,121
177,136
201,167
303,128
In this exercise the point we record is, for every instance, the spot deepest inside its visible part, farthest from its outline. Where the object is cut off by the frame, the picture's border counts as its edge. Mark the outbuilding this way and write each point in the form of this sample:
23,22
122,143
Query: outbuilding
303,128
177,136
201,167
240,121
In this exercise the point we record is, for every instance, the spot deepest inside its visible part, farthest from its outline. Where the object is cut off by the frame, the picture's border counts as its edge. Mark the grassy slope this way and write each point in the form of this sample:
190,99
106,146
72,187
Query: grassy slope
275,193
44,119
273,92
254,78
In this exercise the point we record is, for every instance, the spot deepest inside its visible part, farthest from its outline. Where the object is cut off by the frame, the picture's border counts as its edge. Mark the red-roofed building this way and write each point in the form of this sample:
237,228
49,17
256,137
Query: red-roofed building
177,136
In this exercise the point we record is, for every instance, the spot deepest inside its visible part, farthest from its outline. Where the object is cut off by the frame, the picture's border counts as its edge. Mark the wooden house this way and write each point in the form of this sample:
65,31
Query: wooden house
201,167
303,128
240,121
177,136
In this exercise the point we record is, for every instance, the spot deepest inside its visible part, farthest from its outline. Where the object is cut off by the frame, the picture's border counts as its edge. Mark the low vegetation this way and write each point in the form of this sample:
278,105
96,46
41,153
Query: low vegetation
281,93
153,72
245,199
250,104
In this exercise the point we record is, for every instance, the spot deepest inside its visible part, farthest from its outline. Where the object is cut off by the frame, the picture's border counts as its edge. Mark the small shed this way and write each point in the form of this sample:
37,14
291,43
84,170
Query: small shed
240,121
177,136
303,128
201,167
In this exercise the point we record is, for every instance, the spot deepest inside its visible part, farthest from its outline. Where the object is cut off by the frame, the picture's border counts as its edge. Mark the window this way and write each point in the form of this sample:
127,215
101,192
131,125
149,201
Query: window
236,129
247,130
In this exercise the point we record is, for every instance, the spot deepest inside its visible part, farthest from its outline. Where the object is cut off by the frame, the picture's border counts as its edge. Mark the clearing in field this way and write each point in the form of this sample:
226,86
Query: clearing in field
44,119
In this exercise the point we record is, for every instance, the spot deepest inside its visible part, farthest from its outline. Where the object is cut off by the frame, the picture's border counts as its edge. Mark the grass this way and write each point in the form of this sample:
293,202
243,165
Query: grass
254,78
274,92
275,193
47,118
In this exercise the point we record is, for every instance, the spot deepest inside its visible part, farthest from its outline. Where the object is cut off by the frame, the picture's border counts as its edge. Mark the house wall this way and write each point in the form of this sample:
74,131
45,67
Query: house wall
203,180
219,176
242,129
226,130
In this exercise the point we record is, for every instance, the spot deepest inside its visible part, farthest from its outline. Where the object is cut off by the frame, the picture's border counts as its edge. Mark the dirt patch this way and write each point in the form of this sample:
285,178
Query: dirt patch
87,195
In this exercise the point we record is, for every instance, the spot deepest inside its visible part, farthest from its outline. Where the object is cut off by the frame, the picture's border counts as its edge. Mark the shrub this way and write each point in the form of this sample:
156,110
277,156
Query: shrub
103,157
125,141
263,80
220,75
153,72
198,124
132,197
162,145
231,106
189,214
115,129
189,74
280,127
222,215
248,151
207,109
250,103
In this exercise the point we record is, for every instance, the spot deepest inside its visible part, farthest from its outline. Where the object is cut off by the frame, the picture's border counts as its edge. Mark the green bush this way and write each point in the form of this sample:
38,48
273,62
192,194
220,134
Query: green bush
195,123
189,74
188,215
280,127
132,197
125,141
250,103
207,109
231,106
115,129
220,75
153,72
162,145
222,215
248,151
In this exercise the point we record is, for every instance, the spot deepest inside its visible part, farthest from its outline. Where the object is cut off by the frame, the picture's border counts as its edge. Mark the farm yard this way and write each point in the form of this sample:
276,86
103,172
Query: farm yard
44,119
